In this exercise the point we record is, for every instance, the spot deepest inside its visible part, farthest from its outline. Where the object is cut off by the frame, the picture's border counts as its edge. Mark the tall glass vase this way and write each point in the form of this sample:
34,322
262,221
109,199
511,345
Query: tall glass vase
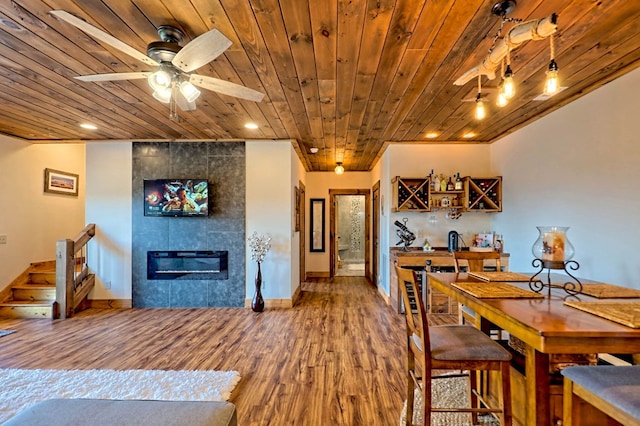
257,304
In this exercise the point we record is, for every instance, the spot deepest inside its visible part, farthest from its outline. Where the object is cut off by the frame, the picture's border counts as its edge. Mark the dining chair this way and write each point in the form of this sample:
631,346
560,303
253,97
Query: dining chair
476,260
449,347
475,263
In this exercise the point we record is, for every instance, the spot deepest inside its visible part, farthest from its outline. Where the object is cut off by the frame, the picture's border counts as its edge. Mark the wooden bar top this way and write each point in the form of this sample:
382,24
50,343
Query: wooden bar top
547,324
416,257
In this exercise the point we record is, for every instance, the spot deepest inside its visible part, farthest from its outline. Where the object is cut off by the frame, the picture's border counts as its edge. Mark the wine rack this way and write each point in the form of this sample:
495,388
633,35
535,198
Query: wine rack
411,194
483,194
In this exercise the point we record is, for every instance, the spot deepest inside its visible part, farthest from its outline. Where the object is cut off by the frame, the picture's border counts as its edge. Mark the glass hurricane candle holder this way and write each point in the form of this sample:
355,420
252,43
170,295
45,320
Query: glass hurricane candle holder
553,247
553,250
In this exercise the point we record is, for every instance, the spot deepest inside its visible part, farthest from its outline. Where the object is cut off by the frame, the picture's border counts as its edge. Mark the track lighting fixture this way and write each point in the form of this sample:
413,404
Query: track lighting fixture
500,51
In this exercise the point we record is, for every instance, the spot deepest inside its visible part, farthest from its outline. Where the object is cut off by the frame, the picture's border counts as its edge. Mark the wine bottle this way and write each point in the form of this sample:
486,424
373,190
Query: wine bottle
458,185
443,183
450,185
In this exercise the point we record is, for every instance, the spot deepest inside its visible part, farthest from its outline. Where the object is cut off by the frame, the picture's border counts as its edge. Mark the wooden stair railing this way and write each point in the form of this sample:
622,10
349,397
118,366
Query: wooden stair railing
73,280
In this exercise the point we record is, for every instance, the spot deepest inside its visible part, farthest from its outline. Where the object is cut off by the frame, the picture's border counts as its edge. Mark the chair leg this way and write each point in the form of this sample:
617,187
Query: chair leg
473,397
505,394
426,401
411,386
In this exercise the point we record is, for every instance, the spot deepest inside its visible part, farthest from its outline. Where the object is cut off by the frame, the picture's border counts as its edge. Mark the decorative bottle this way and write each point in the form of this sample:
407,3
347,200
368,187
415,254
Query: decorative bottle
443,183
436,183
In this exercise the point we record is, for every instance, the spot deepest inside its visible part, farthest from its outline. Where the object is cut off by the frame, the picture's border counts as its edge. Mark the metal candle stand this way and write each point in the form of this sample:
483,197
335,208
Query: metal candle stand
571,288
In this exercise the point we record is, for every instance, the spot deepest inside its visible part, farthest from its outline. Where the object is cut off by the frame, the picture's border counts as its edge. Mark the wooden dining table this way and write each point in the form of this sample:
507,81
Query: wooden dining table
550,335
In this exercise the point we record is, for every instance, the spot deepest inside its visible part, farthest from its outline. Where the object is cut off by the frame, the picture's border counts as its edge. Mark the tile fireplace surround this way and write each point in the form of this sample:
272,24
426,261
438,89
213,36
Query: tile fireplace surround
223,165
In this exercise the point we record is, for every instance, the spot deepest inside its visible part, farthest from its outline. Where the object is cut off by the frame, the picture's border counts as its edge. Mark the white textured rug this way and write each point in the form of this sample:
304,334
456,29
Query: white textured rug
21,388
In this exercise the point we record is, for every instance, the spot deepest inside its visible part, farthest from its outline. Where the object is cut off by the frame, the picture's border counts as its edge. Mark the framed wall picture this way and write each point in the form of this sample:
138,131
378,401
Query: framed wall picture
316,221
59,182
297,209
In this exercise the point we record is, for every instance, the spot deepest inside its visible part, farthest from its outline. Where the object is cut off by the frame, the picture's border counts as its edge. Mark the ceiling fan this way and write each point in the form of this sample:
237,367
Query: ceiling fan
172,82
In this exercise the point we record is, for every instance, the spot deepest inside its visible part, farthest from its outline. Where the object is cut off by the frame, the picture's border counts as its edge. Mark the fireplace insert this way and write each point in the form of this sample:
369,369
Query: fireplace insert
187,265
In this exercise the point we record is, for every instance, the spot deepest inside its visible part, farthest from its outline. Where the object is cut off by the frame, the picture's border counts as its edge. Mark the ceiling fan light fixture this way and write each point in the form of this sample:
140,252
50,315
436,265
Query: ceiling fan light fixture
159,80
189,91
163,95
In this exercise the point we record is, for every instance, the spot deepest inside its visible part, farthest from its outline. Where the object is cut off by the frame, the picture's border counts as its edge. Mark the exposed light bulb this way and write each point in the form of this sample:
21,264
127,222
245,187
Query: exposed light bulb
501,101
480,109
509,86
552,84
339,169
189,91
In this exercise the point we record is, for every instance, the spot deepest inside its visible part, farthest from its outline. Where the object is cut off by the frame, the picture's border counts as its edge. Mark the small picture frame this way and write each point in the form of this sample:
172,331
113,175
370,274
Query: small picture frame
297,209
58,182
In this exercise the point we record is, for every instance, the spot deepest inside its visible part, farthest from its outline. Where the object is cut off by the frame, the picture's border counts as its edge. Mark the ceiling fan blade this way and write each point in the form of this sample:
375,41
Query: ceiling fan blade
226,87
182,102
201,50
114,76
102,36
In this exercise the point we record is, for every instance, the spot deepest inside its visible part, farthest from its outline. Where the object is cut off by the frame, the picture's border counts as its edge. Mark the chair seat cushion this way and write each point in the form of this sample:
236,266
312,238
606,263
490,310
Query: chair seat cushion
104,412
463,342
617,385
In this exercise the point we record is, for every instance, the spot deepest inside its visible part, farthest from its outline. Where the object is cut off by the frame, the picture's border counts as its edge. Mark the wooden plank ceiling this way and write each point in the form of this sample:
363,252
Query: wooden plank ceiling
344,76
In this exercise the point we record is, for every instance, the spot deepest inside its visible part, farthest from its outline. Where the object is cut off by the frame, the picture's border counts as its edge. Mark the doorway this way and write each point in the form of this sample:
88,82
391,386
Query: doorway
349,233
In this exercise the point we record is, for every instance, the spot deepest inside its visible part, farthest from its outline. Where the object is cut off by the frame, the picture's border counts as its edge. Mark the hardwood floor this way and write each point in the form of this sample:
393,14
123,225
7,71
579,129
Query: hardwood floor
337,358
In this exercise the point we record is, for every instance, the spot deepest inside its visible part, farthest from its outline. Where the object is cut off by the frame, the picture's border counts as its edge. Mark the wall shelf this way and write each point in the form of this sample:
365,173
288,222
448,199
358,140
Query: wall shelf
477,195
410,194
483,194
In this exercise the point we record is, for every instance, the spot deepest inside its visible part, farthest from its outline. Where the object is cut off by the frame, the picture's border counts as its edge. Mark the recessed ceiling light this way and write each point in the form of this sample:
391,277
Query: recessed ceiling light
251,126
469,135
544,96
89,126
432,135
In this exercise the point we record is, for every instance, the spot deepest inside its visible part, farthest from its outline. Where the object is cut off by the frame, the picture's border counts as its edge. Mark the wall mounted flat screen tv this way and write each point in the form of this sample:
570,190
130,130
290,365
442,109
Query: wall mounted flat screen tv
176,197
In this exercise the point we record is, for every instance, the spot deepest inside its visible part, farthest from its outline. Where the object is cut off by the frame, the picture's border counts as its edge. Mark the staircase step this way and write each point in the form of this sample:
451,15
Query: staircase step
42,277
26,309
33,292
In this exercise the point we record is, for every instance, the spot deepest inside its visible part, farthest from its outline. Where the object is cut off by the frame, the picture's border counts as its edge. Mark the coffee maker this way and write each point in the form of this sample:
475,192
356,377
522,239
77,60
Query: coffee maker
454,238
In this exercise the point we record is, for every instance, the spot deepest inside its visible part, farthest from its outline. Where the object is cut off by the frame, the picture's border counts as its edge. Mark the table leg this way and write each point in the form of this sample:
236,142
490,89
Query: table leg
538,387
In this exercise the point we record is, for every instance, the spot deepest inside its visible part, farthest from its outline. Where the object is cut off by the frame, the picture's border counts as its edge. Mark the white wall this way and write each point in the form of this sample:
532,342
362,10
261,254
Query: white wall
269,207
31,219
109,206
298,174
579,167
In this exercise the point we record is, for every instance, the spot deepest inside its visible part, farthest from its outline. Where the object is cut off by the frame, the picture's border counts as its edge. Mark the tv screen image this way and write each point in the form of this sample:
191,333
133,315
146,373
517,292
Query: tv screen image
176,197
